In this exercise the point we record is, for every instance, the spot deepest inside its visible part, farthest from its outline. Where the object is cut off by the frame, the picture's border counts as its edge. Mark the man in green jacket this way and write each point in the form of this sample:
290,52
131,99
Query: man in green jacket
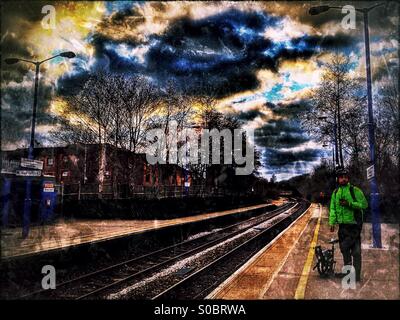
346,210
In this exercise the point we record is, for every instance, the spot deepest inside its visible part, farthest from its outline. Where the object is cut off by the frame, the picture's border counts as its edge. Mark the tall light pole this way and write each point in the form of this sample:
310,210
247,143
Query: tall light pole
68,54
374,197
28,190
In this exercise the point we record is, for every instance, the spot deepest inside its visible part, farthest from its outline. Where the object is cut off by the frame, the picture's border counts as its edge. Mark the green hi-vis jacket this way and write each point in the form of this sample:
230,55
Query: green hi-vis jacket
345,214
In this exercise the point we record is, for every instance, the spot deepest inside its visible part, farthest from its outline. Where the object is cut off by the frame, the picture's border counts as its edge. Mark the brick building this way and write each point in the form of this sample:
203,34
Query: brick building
91,164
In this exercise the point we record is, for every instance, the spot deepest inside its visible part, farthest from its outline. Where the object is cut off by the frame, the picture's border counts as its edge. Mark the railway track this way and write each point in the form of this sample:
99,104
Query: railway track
96,284
200,283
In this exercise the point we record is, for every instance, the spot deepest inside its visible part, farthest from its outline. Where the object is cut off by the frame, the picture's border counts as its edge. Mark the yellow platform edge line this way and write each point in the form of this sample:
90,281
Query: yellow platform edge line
278,269
301,286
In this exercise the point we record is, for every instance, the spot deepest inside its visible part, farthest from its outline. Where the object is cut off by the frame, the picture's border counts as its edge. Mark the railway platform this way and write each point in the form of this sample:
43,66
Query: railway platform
65,234
284,268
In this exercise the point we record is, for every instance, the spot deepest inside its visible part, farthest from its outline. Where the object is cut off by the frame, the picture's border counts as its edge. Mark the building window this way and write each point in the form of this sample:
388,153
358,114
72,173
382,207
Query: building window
65,174
50,162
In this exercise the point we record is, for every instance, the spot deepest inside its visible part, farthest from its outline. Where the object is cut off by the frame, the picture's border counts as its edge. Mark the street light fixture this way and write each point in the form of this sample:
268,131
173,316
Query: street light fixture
374,200
28,200
68,54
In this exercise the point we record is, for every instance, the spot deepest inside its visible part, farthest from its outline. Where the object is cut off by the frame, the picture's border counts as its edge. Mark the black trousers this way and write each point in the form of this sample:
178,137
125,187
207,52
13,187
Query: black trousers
350,246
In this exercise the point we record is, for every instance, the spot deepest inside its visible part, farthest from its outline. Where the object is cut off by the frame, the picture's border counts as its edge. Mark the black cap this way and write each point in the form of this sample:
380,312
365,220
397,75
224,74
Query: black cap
341,172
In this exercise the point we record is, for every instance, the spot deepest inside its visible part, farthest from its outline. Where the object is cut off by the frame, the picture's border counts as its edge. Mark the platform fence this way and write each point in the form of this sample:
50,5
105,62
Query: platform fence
78,191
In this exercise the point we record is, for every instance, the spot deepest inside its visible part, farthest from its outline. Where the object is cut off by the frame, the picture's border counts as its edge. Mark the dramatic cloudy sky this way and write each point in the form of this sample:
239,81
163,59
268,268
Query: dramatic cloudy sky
264,58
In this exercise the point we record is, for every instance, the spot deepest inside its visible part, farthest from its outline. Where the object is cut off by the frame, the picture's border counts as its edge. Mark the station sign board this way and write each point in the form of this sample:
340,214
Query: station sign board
32,164
28,173
370,172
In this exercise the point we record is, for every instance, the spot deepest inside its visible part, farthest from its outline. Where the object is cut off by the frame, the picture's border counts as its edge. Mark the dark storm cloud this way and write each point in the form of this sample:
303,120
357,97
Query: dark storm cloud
17,100
277,137
279,158
275,127
123,20
17,16
332,42
13,47
294,109
28,11
234,29
105,59
280,134
16,112
68,85
225,50
12,129
283,140
250,115
229,48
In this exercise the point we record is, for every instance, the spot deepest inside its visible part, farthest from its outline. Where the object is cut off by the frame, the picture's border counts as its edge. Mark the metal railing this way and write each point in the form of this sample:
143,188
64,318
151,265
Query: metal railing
80,191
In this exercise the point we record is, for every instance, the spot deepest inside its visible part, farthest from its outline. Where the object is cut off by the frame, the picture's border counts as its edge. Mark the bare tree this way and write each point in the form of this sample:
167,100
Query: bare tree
109,108
206,104
334,95
390,103
89,111
139,101
174,105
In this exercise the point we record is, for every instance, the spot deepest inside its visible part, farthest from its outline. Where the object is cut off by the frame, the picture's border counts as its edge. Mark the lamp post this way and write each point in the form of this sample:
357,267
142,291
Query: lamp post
374,197
28,190
68,54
